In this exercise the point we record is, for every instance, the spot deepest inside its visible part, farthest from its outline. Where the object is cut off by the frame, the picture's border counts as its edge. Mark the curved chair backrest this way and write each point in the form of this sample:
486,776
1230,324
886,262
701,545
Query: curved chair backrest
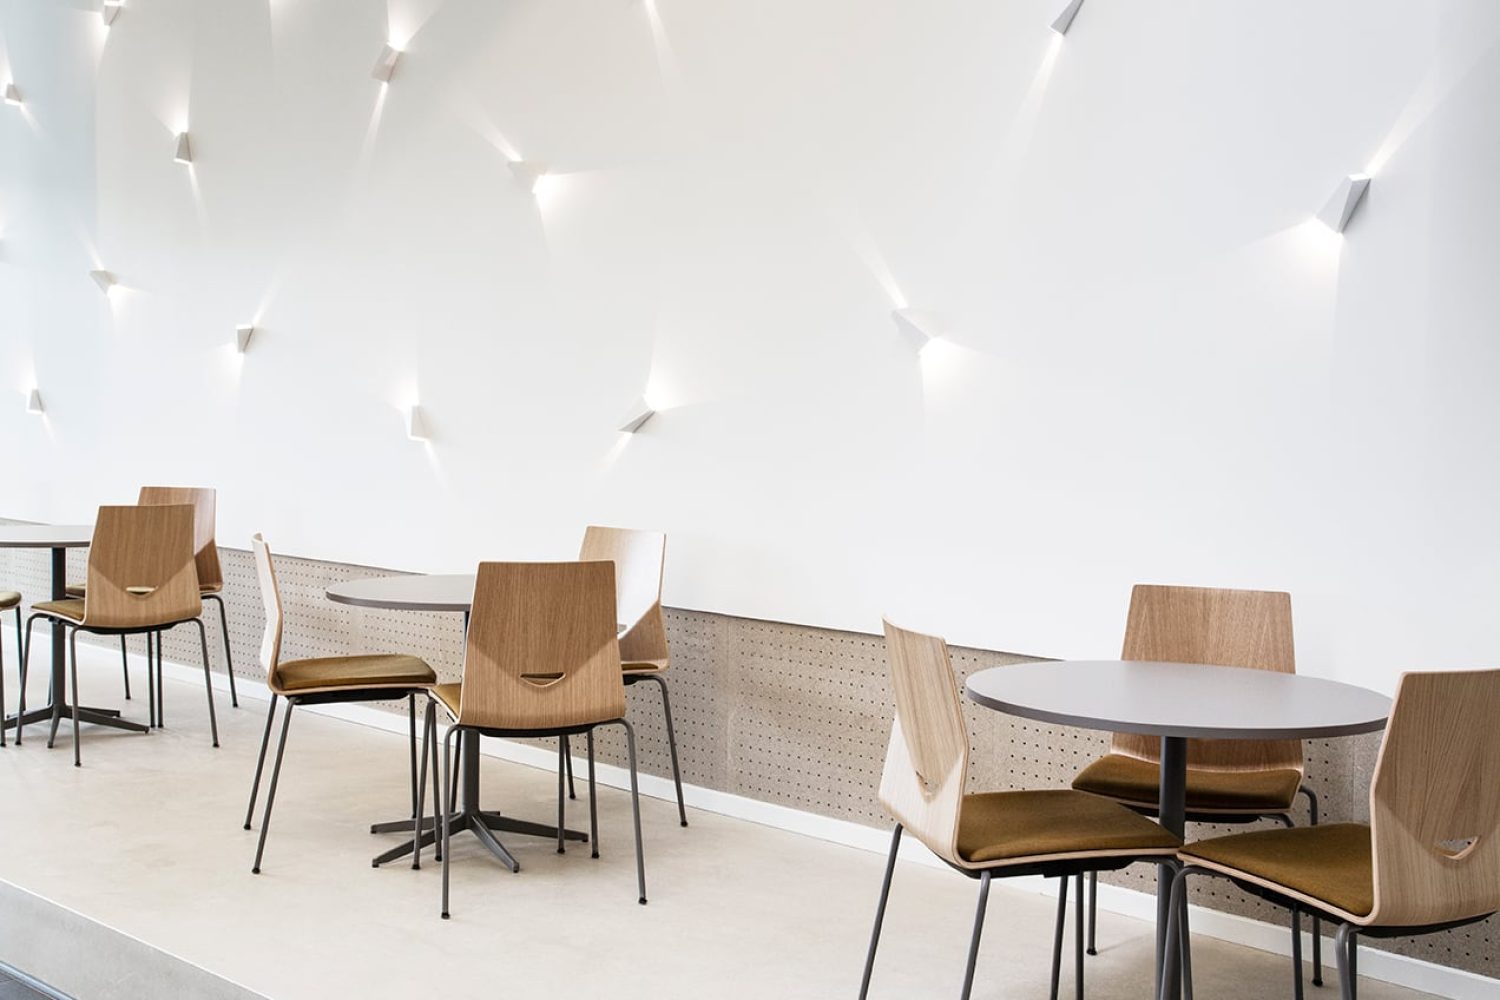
542,652
270,595
639,557
206,553
1435,801
927,759
1232,628
141,569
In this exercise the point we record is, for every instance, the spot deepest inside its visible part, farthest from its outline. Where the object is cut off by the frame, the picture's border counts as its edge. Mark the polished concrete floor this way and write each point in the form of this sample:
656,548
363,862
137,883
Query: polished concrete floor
146,837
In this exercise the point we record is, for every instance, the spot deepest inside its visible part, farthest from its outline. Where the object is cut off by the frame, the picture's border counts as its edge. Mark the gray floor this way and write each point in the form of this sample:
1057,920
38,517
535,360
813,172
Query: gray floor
13,989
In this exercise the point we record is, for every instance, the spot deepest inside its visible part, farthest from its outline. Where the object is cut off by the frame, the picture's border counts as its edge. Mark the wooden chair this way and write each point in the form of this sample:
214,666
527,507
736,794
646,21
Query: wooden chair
1429,860
141,581
323,681
542,659
9,601
639,557
1228,781
210,573
1054,833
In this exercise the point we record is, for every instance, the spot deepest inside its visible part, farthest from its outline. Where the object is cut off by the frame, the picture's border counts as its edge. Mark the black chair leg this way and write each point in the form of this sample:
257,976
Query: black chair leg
1093,913
666,708
208,678
1057,936
635,805
566,747
265,820
73,673
260,762
1317,921
593,801
885,895
562,755
1078,938
428,721
984,898
234,696
125,666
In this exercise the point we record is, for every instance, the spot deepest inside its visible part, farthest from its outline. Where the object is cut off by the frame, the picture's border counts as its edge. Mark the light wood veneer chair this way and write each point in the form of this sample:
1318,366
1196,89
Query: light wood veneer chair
9,601
141,581
1228,781
542,659
1054,833
323,681
210,573
1429,860
639,557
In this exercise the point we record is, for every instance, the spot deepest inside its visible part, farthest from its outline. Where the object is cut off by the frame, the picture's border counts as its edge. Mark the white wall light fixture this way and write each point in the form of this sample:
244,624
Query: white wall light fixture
184,153
242,335
635,418
111,11
416,424
1346,198
528,175
1065,19
917,328
12,95
104,280
34,402
386,64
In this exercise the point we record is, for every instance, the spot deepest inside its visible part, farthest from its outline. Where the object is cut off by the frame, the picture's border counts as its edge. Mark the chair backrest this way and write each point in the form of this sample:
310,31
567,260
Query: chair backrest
927,758
1435,801
1232,628
542,650
270,595
639,557
141,569
206,553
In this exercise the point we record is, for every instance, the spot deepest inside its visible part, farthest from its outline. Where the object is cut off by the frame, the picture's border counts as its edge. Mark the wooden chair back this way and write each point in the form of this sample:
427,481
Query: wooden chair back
1232,628
140,570
1435,801
639,558
206,553
542,650
927,758
270,595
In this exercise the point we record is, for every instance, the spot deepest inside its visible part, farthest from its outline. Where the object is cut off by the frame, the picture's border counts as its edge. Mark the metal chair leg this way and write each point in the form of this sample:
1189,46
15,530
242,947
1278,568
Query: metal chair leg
635,805
161,681
1317,921
1093,913
1343,950
260,762
73,668
1057,936
885,895
458,748
448,781
411,724
25,664
666,708
566,748
150,688
1171,942
1296,951
234,696
125,666
984,898
428,721
1078,938
562,755
2,684
208,678
593,801
265,820
437,789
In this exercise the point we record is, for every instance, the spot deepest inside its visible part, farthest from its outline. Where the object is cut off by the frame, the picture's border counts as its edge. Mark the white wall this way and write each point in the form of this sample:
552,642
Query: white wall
1157,369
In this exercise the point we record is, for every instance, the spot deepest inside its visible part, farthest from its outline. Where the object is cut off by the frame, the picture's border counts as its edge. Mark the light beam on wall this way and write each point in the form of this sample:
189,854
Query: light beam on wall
184,152
34,402
242,335
1065,19
1346,198
12,95
528,175
917,328
416,424
386,64
104,280
635,418
111,11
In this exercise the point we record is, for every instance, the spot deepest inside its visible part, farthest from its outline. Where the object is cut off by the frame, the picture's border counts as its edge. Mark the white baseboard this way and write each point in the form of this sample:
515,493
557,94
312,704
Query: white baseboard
1396,969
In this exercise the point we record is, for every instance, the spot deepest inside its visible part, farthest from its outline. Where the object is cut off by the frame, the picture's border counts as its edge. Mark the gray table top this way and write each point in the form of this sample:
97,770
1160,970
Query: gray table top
45,536
1180,699
444,592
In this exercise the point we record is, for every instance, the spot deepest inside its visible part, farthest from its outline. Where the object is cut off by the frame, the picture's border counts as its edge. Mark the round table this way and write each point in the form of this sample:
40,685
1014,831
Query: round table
454,593
58,538
1178,702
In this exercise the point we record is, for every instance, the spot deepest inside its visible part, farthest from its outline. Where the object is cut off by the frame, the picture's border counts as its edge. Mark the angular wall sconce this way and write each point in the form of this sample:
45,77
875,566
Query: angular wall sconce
915,327
111,11
386,64
12,95
416,424
104,280
1346,198
34,402
635,418
527,174
184,153
1065,19
242,335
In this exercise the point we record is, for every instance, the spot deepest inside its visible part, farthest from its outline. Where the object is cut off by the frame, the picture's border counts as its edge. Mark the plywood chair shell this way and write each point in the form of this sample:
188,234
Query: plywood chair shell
140,569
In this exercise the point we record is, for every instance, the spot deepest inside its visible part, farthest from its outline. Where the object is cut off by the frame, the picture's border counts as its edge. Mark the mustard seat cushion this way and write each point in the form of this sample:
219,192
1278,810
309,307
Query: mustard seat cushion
1001,826
386,670
1137,781
71,609
9,599
1331,863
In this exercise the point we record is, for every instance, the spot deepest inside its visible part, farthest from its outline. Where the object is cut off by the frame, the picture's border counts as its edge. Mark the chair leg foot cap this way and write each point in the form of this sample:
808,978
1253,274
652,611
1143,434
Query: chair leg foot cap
255,871
1091,951
594,855
684,823
445,916
643,900
247,826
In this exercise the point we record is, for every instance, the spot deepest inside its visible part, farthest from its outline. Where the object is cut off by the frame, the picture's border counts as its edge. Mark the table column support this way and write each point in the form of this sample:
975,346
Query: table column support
1171,809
